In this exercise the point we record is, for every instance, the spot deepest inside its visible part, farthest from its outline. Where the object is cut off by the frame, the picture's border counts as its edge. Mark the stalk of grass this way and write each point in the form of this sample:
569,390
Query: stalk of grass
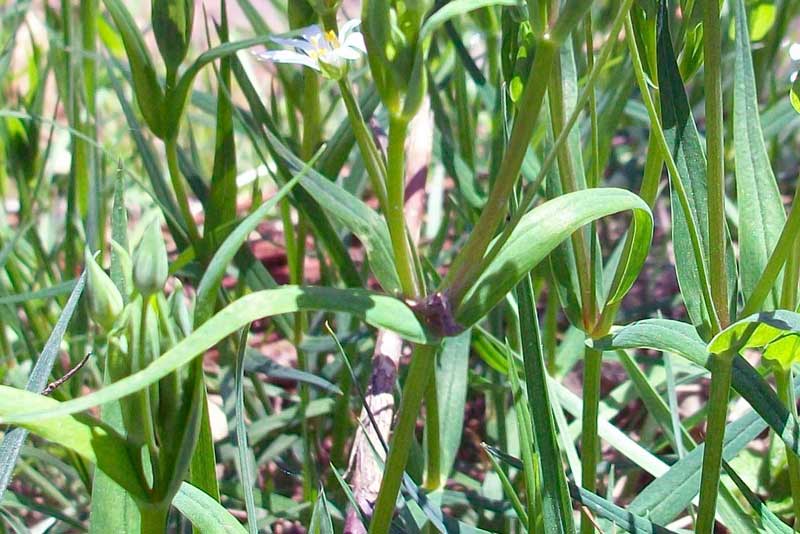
590,441
721,369
715,160
395,195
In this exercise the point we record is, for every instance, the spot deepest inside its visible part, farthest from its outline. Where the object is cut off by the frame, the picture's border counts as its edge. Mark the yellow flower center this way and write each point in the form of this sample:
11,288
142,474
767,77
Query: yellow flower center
331,37
320,49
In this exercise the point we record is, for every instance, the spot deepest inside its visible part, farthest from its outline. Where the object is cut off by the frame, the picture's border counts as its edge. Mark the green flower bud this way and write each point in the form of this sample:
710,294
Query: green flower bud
172,26
150,263
179,310
120,255
397,52
105,301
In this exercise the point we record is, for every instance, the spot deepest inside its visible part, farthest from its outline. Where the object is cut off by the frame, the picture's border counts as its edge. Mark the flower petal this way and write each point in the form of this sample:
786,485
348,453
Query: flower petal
347,52
355,40
300,44
287,56
309,31
348,27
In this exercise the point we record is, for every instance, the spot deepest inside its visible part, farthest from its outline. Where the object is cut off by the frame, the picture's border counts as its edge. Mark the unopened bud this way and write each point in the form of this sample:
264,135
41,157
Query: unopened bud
105,301
150,263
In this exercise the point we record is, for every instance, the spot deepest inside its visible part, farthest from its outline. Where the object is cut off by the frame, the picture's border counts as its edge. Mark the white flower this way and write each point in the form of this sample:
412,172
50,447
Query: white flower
319,50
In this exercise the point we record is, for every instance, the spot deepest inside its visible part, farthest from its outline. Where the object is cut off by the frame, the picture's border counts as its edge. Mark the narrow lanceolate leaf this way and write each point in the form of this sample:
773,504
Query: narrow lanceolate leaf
221,205
349,211
13,440
451,393
85,436
673,491
556,510
622,517
761,214
757,330
567,279
212,278
375,309
683,139
149,94
113,508
682,339
206,514
321,517
546,226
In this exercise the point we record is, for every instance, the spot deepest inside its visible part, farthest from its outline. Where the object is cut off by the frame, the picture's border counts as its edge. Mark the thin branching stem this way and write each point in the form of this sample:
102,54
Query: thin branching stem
715,162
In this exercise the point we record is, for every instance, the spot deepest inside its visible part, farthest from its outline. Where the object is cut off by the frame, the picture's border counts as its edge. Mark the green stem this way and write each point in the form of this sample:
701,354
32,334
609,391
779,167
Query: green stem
593,176
590,442
655,123
171,148
569,184
395,216
296,254
420,370
790,278
154,518
466,266
721,366
715,170
143,396
783,383
649,193
433,447
594,169
583,99
311,115
373,160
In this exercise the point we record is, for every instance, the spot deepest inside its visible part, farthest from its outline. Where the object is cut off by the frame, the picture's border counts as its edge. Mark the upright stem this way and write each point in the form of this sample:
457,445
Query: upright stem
583,99
569,184
395,217
433,447
715,170
311,138
419,372
785,387
721,366
593,175
143,396
466,266
153,518
171,148
373,160
590,442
